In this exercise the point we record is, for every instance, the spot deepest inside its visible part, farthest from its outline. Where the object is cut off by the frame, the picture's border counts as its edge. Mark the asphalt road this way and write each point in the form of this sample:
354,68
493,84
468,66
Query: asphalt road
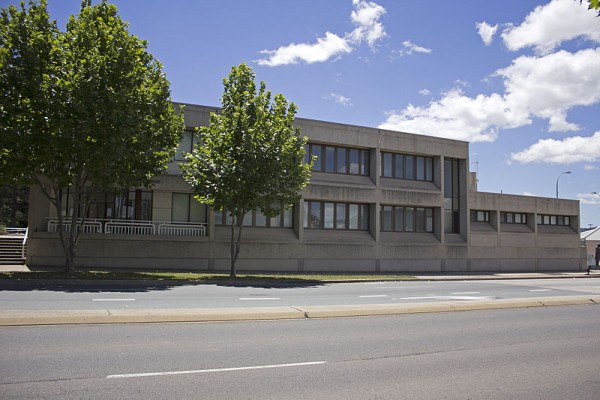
100,295
537,353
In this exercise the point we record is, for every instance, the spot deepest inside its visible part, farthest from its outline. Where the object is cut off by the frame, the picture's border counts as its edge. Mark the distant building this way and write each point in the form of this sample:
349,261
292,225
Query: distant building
591,238
378,201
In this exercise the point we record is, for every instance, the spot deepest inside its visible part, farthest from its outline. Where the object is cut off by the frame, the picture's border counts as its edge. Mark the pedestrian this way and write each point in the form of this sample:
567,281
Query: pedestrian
597,254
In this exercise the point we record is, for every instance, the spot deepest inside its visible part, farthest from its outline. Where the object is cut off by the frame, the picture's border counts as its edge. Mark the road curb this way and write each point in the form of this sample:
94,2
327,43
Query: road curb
75,317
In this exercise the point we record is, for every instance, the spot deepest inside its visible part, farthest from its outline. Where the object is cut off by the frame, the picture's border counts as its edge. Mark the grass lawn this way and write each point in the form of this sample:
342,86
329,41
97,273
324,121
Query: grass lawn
208,277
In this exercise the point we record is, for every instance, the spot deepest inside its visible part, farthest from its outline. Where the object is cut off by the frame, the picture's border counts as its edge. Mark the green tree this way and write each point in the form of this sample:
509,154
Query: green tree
81,110
593,5
249,157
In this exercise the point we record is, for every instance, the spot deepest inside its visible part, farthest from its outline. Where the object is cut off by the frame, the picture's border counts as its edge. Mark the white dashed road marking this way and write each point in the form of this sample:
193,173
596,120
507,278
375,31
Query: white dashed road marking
113,299
202,371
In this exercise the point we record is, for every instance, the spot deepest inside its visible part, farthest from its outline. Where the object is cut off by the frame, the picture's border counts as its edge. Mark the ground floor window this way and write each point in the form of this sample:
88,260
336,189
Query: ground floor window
285,219
132,204
406,219
340,216
186,208
561,220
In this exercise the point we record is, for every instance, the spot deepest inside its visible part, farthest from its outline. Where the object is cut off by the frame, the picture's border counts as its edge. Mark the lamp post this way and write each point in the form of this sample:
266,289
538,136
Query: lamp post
557,179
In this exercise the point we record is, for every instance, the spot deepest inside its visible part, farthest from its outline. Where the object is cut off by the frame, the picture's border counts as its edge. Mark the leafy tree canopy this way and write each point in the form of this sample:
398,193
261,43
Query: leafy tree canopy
249,157
80,109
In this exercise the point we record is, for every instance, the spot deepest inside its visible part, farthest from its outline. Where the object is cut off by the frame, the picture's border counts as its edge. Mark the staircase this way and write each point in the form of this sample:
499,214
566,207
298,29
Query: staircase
12,249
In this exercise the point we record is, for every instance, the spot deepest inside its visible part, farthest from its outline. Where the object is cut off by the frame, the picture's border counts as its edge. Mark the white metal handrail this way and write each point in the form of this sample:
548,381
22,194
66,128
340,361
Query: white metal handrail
24,243
85,226
129,228
175,229
132,227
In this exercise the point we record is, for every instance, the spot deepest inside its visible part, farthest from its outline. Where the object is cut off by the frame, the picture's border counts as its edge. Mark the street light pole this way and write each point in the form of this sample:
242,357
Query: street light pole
557,179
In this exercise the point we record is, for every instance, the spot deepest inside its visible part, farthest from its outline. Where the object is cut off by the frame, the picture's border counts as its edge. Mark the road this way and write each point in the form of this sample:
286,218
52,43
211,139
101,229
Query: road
537,353
100,295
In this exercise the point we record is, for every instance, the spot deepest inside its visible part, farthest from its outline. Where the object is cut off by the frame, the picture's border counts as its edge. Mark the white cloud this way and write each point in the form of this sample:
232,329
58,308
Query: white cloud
408,48
365,17
454,116
326,48
424,92
339,99
590,167
486,31
549,25
547,87
544,87
588,198
566,151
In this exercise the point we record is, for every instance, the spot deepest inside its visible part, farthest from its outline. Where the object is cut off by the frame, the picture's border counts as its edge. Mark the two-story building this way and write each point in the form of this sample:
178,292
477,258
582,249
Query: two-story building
378,201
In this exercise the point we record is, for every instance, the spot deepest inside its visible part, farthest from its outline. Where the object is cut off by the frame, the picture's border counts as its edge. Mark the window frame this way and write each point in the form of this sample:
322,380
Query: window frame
333,159
361,223
409,166
515,218
414,219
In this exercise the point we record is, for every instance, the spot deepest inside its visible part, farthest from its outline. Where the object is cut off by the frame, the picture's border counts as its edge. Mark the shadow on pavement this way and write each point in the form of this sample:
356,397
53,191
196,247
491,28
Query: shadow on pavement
133,282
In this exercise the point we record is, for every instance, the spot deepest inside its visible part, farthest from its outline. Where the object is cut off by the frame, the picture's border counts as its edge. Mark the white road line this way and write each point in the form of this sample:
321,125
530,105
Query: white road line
374,295
444,298
259,298
466,292
113,299
202,371
539,290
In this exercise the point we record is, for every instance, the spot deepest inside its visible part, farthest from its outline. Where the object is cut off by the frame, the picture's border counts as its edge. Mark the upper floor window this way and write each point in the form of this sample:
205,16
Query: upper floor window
405,166
513,218
336,159
285,219
561,220
480,216
344,216
186,145
406,219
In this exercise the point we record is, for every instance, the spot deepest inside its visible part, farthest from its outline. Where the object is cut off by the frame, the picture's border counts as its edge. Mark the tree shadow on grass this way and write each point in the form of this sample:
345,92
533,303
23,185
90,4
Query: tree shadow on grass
135,282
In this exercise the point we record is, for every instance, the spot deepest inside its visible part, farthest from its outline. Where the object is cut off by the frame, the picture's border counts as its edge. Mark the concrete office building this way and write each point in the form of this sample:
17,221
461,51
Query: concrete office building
378,201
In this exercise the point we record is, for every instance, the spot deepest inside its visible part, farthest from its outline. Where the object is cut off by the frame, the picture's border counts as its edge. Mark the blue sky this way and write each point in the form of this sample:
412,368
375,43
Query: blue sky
519,79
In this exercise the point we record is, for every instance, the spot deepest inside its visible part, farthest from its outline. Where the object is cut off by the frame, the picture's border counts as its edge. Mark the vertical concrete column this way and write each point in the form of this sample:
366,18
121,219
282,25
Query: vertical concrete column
212,234
299,220
374,208
375,166
299,229
442,185
39,208
463,187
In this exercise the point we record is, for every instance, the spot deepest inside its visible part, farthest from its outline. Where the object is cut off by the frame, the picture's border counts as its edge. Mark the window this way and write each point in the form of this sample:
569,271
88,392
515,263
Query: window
134,204
339,216
480,216
406,219
403,166
513,218
256,219
560,220
451,196
338,160
187,209
185,146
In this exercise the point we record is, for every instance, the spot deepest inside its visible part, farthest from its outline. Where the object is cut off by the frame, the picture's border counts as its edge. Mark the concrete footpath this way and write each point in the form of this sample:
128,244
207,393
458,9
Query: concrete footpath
120,316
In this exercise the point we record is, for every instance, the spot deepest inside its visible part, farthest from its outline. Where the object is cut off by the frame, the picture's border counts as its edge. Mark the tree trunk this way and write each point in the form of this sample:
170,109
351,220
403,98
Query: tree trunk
236,224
